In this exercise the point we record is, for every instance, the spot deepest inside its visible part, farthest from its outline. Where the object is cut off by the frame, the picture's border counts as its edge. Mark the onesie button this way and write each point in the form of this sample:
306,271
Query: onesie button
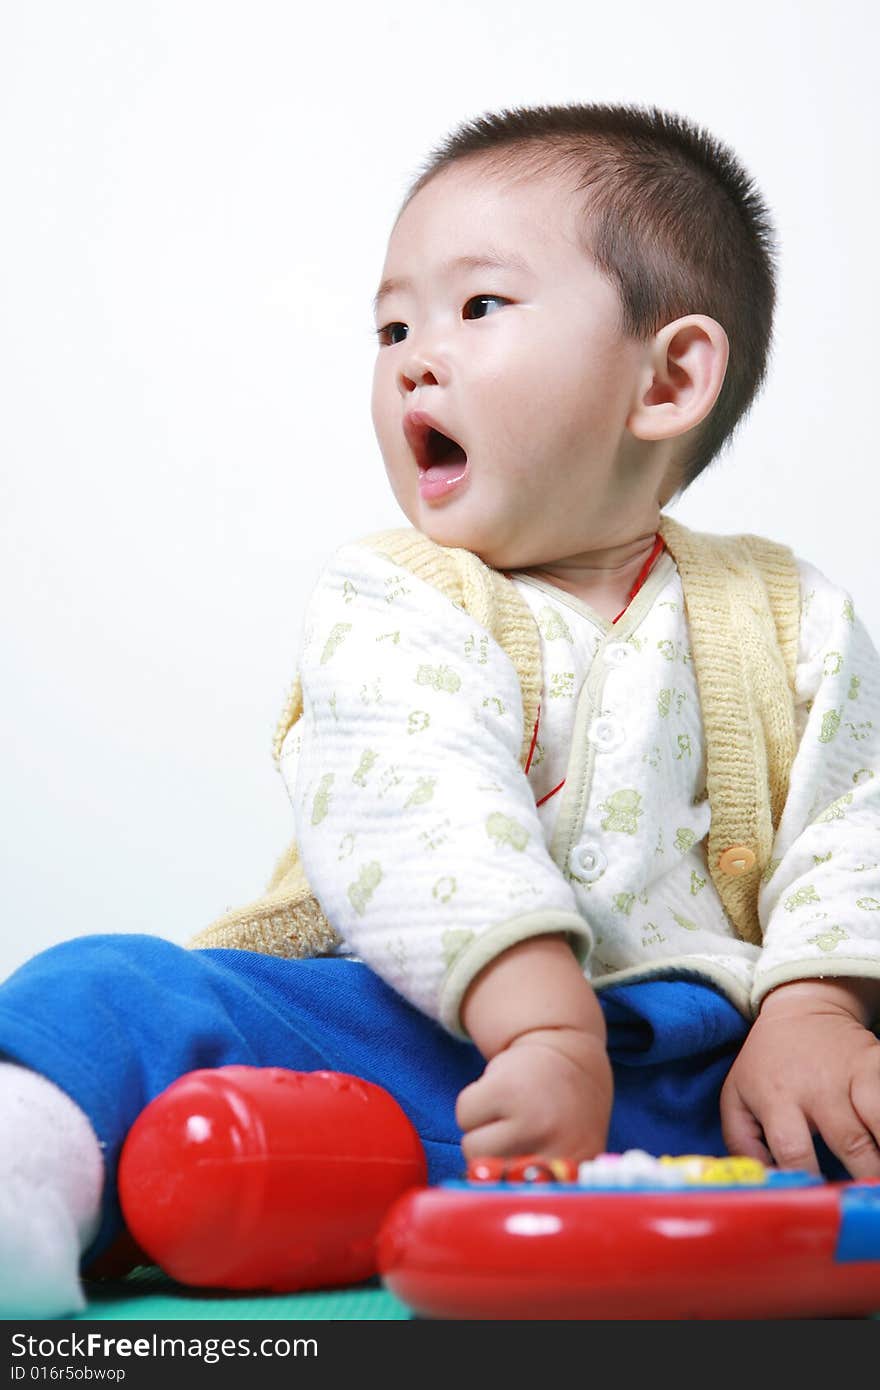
605,734
587,862
736,860
616,653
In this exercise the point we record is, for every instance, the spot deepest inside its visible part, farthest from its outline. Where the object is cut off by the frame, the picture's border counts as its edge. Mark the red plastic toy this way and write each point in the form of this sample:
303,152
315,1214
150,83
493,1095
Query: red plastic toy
634,1237
262,1178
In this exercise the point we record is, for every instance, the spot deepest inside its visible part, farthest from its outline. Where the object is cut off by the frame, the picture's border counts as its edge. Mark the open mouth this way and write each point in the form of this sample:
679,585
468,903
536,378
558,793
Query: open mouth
441,452
442,462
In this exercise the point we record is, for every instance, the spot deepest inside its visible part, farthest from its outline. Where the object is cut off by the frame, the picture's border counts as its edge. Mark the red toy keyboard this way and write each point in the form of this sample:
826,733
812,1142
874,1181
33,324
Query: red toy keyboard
628,1236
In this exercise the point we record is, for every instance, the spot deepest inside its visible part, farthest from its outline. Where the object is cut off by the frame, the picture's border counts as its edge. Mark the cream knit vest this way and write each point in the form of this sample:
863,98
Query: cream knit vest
742,598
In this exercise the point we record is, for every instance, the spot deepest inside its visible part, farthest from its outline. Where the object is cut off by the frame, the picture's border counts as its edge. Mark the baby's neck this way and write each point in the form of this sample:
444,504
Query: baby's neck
602,579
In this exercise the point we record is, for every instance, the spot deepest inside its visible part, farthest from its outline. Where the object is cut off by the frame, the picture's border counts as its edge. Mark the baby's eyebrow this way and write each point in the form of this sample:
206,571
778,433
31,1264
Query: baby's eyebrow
488,260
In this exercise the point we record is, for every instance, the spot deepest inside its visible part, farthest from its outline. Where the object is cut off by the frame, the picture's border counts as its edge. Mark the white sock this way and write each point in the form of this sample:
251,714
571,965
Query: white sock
51,1178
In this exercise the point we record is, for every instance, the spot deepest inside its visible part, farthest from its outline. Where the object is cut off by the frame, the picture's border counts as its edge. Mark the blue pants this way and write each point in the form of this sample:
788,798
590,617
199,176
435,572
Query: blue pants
113,1020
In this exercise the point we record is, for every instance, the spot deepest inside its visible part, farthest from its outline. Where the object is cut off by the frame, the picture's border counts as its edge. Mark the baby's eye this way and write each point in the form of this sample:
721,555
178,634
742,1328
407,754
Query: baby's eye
384,334
483,299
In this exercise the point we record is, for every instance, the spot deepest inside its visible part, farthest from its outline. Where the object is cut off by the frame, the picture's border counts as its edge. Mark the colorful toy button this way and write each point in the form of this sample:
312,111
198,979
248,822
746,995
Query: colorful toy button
523,1168
718,1172
633,1168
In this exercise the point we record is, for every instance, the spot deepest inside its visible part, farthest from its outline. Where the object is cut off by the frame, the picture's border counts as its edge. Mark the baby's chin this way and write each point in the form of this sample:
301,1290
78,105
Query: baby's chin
499,538
460,533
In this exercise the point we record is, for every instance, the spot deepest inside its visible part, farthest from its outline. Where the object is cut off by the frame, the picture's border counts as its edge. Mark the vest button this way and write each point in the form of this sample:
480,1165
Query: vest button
736,860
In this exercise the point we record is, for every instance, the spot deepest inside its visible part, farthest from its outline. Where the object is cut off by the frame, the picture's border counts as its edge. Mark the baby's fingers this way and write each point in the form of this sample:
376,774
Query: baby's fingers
498,1140
787,1135
485,1116
853,1133
865,1096
741,1131
478,1104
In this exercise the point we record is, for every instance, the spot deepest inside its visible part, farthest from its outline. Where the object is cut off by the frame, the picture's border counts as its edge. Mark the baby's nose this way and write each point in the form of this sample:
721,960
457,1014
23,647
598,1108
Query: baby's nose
415,374
422,363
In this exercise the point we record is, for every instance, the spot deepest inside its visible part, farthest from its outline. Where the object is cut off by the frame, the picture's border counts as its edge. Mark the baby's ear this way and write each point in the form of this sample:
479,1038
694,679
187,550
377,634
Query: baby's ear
683,374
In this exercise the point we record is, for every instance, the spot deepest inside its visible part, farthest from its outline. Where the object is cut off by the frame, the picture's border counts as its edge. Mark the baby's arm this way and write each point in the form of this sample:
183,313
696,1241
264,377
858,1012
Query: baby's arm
548,1085
420,837
811,1063
417,827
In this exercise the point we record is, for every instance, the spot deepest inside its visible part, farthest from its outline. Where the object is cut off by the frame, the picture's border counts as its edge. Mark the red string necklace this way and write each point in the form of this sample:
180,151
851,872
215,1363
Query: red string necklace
643,572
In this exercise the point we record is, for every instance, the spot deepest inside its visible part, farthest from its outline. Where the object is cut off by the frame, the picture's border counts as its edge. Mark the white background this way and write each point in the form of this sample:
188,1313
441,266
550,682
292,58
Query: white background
195,203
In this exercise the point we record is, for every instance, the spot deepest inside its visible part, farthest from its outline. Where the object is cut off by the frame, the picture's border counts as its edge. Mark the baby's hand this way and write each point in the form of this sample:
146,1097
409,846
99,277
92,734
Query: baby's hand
549,1092
808,1066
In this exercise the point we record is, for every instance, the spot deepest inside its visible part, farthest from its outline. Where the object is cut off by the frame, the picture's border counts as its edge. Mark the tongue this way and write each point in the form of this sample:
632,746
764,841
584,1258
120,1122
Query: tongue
451,467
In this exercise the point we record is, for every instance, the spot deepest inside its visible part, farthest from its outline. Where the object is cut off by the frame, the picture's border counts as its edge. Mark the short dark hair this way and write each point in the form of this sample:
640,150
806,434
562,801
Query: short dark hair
671,217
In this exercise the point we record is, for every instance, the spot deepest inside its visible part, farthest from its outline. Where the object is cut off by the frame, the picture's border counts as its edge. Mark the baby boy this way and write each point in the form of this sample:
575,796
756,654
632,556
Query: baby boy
498,767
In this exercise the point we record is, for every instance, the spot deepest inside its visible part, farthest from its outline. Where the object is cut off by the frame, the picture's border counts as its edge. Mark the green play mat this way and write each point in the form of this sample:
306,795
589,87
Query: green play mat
149,1293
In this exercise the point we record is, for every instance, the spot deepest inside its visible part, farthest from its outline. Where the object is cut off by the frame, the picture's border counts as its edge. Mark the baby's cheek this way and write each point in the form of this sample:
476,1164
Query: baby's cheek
404,486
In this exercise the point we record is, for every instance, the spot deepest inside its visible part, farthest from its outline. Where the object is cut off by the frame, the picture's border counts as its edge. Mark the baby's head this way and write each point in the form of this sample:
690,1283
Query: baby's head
582,298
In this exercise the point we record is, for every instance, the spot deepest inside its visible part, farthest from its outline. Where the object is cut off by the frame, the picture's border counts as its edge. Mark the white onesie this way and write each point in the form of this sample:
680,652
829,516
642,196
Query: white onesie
431,850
